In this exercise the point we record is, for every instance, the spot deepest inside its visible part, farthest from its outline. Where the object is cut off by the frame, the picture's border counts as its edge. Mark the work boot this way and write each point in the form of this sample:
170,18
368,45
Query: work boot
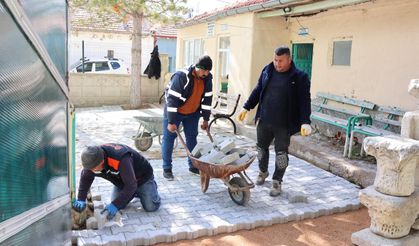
276,188
194,170
167,174
261,177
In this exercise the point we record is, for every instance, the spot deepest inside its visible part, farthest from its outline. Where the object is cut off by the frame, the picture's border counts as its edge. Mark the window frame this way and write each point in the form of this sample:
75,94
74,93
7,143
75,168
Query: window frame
336,50
189,45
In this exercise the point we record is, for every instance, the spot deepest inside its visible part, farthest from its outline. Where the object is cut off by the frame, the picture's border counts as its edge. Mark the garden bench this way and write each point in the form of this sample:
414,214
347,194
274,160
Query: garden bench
224,108
385,120
339,111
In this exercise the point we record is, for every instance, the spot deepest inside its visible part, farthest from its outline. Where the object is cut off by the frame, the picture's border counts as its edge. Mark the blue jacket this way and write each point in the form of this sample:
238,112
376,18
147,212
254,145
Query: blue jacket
299,101
180,89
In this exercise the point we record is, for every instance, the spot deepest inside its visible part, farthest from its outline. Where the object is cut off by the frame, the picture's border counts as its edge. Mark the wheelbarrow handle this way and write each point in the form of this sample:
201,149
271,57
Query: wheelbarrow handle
183,142
209,136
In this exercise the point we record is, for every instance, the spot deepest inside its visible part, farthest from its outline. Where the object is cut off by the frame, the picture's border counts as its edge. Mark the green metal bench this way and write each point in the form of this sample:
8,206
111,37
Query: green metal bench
386,120
339,111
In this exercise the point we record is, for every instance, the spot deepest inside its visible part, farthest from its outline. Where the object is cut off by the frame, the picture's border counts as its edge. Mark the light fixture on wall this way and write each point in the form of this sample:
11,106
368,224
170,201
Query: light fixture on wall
287,10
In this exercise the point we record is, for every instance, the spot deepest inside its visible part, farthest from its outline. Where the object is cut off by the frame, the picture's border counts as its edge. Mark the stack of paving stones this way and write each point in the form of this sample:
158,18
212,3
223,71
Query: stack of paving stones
221,152
187,213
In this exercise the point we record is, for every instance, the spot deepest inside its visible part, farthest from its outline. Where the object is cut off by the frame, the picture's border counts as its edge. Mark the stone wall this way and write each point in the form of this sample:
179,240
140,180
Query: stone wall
95,89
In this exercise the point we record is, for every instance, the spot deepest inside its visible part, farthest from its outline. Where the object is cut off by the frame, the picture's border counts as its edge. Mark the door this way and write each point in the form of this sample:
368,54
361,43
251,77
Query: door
302,55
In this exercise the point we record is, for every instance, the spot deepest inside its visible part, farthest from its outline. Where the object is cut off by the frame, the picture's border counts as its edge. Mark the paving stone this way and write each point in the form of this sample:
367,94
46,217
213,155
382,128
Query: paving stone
159,235
230,158
90,241
226,146
91,223
114,240
133,238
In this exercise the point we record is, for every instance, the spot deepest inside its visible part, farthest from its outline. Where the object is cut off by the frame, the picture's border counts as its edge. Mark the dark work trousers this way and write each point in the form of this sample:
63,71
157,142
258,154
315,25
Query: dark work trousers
265,134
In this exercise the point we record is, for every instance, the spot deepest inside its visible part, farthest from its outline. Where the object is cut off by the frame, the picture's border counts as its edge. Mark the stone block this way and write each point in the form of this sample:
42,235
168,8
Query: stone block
243,159
396,163
213,157
391,216
229,158
366,237
240,151
98,205
91,223
197,151
410,125
226,146
102,221
97,197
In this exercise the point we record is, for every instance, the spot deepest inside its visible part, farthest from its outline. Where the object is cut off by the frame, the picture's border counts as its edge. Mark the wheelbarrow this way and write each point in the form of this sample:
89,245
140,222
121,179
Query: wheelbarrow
233,176
150,127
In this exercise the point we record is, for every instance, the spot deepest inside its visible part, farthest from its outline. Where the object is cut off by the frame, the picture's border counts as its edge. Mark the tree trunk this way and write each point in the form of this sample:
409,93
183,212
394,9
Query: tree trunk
135,90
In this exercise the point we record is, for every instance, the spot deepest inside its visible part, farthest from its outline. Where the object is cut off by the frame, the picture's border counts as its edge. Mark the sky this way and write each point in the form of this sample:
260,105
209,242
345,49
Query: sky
201,6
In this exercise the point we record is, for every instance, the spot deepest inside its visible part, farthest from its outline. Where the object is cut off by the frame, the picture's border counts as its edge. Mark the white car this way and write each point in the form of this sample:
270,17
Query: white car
101,65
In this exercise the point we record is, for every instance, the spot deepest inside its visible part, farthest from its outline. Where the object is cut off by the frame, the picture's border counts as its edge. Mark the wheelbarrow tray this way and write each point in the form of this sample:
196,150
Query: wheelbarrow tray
154,124
209,170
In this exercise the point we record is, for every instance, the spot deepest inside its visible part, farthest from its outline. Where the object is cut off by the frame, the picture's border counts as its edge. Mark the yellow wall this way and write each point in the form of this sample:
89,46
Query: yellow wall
384,57
252,44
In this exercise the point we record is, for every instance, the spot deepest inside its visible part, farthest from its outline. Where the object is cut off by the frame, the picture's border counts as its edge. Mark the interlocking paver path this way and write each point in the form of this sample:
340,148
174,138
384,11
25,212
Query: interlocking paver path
186,212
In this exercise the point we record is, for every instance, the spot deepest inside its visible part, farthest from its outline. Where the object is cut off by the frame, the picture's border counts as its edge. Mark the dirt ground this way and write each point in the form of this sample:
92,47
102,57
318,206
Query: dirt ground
328,230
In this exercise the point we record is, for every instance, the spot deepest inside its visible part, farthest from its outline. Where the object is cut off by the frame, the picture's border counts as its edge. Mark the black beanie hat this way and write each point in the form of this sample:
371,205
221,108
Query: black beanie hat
205,63
91,156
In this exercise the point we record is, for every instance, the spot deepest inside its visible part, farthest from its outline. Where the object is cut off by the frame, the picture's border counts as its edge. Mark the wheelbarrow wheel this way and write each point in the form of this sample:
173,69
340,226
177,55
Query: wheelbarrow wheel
240,197
145,142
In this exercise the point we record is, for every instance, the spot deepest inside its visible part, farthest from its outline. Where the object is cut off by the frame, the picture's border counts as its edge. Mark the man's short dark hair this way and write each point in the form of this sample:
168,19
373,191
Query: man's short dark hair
282,50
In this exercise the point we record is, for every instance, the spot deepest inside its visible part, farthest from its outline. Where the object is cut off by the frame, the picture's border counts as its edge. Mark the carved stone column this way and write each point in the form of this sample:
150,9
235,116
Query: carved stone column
391,216
396,163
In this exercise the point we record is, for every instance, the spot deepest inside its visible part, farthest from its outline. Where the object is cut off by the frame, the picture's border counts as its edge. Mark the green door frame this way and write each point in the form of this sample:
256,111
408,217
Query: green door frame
302,55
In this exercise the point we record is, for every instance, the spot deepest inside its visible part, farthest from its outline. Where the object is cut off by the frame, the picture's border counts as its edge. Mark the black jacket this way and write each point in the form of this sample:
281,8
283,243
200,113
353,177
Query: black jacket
299,100
154,66
124,167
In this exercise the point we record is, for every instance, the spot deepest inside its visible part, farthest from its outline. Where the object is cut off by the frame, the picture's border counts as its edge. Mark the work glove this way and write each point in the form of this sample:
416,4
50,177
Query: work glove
112,210
79,205
305,130
242,115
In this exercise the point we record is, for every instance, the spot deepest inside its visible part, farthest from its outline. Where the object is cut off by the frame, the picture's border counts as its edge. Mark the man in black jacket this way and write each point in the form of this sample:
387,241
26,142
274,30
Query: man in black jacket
283,95
129,172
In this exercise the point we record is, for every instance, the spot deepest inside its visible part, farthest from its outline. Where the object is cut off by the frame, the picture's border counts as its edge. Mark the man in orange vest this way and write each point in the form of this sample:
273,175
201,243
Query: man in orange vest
129,172
188,97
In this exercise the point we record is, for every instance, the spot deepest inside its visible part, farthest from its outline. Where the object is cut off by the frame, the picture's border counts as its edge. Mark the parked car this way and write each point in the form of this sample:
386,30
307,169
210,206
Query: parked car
101,65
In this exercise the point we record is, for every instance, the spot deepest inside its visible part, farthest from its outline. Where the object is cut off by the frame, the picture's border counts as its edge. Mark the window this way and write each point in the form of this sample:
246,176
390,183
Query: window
223,62
223,56
193,49
342,53
115,65
87,67
171,67
101,66
210,29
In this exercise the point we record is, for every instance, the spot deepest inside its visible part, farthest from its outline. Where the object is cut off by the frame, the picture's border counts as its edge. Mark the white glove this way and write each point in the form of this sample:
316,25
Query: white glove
305,130
242,115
